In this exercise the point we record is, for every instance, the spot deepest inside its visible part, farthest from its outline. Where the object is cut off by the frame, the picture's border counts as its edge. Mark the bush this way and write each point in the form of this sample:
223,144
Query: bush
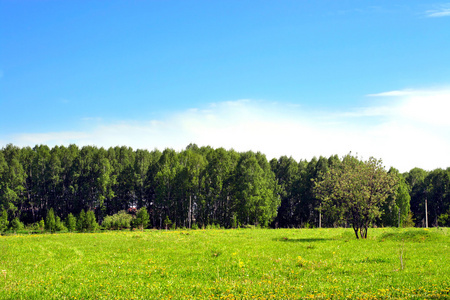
234,222
71,223
3,221
81,221
121,220
167,222
50,221
108,222
409,222
33,227
142,219
16,225
86,221
91,222
444,219
213,226
60,225
41,225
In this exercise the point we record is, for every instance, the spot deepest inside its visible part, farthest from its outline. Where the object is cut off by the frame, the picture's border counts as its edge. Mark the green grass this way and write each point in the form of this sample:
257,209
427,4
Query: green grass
227,264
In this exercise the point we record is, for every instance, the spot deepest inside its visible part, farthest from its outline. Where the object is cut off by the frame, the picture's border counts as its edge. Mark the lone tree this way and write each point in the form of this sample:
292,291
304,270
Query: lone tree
142,218
354,191
50,221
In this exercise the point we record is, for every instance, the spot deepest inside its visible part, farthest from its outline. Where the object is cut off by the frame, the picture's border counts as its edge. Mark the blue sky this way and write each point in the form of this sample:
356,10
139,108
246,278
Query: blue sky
295,78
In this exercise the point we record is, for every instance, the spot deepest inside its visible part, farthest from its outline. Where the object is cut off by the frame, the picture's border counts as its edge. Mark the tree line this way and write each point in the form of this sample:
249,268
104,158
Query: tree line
198,186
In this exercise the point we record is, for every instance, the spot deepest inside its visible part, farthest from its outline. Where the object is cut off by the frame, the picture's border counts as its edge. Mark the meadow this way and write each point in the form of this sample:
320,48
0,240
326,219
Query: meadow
227,264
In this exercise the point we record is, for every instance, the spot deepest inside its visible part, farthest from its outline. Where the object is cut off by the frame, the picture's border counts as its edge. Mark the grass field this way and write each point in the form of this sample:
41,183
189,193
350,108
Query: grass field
227,264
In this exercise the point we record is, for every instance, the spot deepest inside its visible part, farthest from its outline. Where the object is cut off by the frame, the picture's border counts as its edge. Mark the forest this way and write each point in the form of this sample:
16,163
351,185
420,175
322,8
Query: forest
198,186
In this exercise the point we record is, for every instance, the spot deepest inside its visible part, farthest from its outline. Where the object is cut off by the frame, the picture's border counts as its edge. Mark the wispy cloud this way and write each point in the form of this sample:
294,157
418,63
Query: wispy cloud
427,107
394,93
406,129
50,138
441,11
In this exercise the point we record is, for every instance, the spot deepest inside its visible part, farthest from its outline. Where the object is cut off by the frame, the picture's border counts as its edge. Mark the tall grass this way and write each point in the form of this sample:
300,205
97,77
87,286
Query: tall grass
227,264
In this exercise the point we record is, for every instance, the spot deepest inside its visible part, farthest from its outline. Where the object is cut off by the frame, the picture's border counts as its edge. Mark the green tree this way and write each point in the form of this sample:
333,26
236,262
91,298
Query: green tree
255,199
81,221
286,173
13,177
53,174
213,201
417,190
165,182
189,177
41,225
59,225
307,210
3,220
437,193
16,225
121,220
355,191
396,209
71,222
50,221
125,189
143,162
3,185
444,219
38,181
167,222
142,218
105,181
91,223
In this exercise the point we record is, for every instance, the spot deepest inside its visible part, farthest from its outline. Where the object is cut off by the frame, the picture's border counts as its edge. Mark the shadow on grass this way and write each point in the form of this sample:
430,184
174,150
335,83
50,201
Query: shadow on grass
300,240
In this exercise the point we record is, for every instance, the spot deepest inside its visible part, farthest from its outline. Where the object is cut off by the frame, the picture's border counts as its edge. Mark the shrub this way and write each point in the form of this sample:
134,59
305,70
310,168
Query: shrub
33,227
108,222
3,221
60,225
234,223
444,219
16,225
50,222
91,222
121,220
213,226
409,222
86,221
167,222
41,225
71,223
142,219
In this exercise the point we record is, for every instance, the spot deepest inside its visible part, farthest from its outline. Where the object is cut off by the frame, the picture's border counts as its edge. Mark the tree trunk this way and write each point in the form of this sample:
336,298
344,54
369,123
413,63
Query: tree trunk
356,232
363,231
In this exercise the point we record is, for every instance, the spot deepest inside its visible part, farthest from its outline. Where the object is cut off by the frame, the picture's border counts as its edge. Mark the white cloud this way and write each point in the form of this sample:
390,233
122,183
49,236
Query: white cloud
49,138
394,93
409,130
441,11
428,107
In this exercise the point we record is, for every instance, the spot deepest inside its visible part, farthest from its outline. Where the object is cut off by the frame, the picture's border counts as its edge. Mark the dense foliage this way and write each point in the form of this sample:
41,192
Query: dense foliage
355,191
198,186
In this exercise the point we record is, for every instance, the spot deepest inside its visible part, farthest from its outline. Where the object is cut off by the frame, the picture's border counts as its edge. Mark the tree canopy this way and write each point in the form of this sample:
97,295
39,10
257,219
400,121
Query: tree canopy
198,185
355,191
